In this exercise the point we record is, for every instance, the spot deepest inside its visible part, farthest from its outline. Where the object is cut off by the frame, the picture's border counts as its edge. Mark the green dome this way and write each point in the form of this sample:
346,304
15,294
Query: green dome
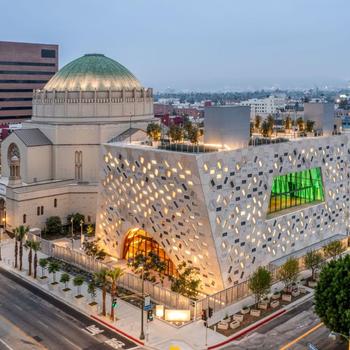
90,72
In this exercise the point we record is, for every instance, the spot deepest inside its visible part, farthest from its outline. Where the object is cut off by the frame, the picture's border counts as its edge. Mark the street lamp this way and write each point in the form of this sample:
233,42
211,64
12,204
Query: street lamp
142,335
81,232
72,221
2,226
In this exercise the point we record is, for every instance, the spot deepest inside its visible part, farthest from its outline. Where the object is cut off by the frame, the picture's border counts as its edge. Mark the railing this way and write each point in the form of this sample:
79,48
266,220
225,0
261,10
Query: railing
159,294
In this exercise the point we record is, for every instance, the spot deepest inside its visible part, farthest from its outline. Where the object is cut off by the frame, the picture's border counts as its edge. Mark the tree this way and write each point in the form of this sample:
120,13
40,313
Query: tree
90,230
332,298
266,130
271,121
65,278
175,133
193,135
310,125
186,282
301,124
54,266
53,225
92,290
113,276
257,122
20,232
333,249
78,282
28,245
150,263
288,123
91,248
154,131
101,278
260,282
43,264
313,261
288,272
36,248
77,218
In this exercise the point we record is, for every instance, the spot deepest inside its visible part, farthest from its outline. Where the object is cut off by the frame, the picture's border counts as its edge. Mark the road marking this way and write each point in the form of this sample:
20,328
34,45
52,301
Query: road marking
18,307
287,346
76,346
115,343
43,324
8,346
93,330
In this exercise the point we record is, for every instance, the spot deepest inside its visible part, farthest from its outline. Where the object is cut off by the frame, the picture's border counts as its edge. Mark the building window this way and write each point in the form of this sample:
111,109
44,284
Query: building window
78,165
89,218
296,189
45,53
42,210
24,218
55,203
38,211
138,241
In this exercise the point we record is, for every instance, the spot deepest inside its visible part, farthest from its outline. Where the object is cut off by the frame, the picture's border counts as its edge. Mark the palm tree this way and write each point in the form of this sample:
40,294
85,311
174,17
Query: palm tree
101,278
20,232
54,266
43,264
113,276
16,247
28,245
35,247
78,282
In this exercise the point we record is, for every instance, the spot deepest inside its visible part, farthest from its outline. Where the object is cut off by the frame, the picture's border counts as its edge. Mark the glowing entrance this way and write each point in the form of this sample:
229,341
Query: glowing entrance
139,241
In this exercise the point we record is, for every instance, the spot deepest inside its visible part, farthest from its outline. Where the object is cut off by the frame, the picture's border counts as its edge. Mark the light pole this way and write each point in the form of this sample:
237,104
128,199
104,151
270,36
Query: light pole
142,335
72,221
1,231
81,232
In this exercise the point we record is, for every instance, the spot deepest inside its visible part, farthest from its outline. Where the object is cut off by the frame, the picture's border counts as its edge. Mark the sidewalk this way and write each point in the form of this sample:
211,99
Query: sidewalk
159,335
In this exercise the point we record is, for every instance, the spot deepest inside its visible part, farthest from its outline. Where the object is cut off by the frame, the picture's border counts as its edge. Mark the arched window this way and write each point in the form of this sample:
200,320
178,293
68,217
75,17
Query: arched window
24,218
78,165
55,203
14,160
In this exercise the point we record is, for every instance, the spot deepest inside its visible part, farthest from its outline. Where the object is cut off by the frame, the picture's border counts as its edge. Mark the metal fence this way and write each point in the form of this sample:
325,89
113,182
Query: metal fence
222,299
158,293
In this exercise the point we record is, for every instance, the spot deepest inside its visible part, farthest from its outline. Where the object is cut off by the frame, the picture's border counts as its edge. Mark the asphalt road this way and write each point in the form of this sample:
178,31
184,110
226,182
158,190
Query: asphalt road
31,319
287,332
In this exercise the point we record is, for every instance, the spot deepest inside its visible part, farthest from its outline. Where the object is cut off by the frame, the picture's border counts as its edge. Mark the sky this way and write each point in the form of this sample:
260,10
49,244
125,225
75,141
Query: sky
196,45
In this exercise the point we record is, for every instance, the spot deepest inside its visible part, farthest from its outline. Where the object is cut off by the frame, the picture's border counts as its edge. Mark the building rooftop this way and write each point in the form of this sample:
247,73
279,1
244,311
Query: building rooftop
32,137
93,72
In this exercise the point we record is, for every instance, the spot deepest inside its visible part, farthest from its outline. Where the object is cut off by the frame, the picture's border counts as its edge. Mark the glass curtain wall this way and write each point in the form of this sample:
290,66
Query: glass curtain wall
296,189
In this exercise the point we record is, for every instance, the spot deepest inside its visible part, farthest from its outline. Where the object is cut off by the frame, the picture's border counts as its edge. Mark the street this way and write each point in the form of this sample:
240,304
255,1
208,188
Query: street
31,319
294,330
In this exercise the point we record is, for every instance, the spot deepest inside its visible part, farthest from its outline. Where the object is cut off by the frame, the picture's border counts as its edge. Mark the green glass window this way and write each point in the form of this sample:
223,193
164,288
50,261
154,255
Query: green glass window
296,189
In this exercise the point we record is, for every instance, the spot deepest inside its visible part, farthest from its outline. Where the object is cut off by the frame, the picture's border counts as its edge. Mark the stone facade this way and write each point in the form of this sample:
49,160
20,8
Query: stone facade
211,210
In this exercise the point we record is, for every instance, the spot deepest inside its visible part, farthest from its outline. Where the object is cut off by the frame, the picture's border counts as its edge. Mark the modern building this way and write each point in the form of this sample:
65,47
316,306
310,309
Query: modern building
24,67
50,166
322,114
227,126
228,211
265,106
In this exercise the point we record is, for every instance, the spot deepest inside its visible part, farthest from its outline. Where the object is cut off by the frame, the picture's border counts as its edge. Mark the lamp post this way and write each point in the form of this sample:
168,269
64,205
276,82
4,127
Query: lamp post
2,227
72,221
81,232
142,335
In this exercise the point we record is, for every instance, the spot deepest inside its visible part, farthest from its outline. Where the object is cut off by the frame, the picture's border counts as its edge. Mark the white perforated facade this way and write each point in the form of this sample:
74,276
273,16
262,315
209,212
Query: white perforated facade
210,209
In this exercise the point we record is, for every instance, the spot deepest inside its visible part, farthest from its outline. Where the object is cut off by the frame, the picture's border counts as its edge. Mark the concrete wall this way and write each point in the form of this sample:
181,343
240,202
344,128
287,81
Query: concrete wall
227,125
322,114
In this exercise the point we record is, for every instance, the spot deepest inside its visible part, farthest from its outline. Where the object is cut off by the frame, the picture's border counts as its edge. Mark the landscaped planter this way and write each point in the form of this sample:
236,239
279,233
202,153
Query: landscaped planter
295,293
53,286
238,317
78,299
274,303
262,306
302,290
255,312
43,280
245,310
312,284
276,295
65,292
93,307
287,297
234,324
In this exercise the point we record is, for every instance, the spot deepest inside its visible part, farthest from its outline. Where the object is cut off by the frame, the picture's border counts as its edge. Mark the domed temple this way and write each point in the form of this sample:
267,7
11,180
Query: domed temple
50,166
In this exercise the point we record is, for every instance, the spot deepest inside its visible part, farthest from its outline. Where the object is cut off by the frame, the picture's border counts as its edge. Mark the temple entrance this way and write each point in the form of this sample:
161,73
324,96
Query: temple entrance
138,241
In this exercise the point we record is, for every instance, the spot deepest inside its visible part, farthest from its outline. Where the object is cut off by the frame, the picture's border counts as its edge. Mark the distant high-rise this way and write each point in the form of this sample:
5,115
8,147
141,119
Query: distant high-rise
23,68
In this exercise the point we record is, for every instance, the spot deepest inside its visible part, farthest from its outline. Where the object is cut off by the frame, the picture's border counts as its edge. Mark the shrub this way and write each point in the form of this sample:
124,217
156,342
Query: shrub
53,225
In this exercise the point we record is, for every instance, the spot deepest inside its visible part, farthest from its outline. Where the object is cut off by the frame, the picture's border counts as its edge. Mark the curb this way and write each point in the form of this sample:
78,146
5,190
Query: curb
248,329
59,298
117,330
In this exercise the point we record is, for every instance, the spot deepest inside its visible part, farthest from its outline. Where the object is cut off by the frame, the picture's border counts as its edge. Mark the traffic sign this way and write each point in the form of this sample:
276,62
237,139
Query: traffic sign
147,307
147,300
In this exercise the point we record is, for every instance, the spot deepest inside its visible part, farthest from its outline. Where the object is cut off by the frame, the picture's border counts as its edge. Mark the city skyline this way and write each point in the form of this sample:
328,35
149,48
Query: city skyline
198,45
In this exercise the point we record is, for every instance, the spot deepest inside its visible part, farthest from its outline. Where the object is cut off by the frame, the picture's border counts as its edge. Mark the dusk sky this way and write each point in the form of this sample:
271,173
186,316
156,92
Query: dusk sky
197,45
